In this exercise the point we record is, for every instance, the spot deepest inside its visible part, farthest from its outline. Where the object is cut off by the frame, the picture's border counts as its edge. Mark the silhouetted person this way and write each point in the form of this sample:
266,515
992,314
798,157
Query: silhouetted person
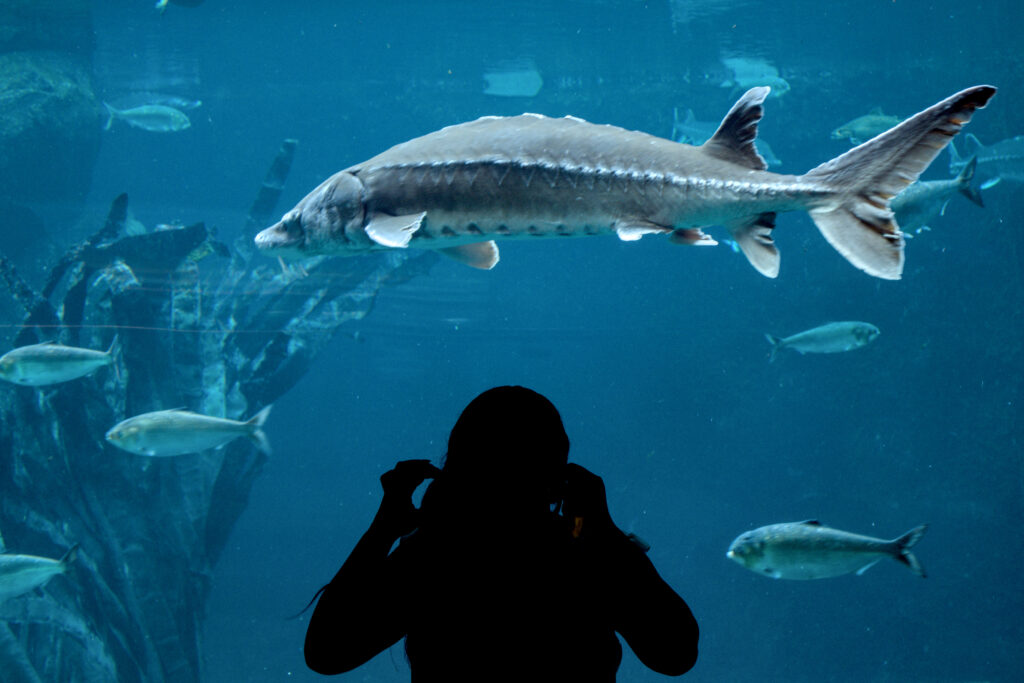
489,581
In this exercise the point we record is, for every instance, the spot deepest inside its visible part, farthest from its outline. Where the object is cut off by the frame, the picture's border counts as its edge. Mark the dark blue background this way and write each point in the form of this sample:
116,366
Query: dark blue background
654,354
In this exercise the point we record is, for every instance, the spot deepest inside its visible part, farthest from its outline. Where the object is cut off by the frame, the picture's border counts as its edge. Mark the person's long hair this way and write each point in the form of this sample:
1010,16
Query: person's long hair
504,463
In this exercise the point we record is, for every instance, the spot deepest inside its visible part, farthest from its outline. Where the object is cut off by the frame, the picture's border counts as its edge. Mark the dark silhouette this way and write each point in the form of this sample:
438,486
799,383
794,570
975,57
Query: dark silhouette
511,569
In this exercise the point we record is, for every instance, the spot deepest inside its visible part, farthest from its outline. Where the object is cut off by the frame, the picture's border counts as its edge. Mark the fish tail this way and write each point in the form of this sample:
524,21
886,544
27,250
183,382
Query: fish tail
69,556
114,353
110,117
964,181
856,218
776,343
955,160
903,545
257,435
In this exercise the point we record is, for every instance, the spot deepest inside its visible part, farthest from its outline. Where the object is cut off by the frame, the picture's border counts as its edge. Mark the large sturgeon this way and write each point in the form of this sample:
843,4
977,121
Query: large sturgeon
458,189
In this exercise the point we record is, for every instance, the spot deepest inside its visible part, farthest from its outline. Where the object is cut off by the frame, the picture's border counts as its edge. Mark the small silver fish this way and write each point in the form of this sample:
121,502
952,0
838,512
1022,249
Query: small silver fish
748,72
174,432
808,550
828,338
21,573
50,363
156,118
865,127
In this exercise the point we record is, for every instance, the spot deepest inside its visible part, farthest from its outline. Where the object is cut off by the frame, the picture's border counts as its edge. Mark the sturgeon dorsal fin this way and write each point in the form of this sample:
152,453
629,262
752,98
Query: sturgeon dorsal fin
972,145
734,139
811,522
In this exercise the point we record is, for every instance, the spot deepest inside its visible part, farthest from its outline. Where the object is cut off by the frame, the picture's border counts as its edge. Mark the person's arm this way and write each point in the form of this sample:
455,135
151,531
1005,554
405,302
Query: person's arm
359,613
656,623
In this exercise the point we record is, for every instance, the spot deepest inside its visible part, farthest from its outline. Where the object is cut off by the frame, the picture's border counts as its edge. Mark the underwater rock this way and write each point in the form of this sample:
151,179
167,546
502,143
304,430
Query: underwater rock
49,126
223,337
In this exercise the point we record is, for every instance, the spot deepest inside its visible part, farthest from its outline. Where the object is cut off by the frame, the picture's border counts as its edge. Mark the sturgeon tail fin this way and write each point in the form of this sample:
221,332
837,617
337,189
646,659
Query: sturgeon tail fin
857,220
903,545
256,435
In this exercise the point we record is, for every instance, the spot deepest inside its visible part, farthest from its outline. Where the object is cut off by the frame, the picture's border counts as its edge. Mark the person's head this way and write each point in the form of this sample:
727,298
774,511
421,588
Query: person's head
507,451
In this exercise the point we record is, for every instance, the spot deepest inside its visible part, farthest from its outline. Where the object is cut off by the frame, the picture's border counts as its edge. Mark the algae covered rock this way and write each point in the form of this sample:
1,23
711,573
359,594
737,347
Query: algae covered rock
50,125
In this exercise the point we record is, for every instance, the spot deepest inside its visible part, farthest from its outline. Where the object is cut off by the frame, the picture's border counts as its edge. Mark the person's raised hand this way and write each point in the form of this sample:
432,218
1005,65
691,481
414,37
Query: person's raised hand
585,504
396,509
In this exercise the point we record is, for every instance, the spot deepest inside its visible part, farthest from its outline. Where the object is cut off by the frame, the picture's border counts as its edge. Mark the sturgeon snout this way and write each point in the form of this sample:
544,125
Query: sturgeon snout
284,236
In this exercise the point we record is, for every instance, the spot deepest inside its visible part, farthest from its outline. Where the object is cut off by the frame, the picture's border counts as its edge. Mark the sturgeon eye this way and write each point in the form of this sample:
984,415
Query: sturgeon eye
292,227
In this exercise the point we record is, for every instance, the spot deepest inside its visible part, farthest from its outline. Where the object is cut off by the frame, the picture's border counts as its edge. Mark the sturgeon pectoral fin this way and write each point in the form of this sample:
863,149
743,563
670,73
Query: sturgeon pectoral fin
482,255
632,229
394,231
754,237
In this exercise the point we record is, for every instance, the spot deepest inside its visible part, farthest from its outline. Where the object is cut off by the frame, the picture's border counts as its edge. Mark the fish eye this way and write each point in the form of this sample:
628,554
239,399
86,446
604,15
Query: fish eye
292,226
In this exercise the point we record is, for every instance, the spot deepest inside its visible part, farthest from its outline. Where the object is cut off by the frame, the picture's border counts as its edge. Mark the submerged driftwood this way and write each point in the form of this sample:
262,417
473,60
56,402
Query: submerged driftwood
221,338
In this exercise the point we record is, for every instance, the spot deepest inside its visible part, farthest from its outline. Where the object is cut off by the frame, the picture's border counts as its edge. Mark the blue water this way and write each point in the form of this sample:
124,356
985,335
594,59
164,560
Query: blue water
654,354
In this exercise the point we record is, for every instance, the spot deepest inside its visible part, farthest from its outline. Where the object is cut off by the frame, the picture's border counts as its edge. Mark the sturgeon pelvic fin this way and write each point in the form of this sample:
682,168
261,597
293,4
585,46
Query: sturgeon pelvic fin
858,223
632,229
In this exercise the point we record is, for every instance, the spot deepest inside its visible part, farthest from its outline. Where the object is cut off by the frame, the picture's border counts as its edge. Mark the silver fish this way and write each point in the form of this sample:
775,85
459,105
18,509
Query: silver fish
828,338
865,127
808,550
156,118
513,79
21,573
751,71
693,132
458,189
1003,160
144,97
175,432
50,363
926,199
